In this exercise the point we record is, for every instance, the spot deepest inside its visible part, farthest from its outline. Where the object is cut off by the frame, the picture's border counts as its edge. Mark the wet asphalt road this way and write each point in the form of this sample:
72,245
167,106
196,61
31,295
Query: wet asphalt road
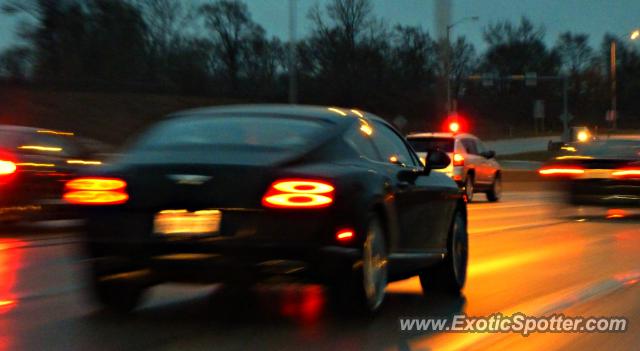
526,255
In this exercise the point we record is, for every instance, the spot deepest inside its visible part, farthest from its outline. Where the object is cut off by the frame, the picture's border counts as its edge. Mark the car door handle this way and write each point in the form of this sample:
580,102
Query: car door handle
403,184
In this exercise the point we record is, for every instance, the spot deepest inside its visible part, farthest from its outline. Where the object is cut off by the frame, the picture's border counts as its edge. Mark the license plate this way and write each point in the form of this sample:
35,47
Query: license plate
183,222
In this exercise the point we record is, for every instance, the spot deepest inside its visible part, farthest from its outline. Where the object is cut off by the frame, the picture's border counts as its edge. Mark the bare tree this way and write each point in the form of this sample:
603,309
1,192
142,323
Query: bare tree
575,52
230,23
15,63
166,21
350,18
464,62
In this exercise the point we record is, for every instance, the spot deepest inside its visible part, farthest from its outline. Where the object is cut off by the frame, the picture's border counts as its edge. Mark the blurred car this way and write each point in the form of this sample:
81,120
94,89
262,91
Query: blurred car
576,136
34,165
601,173
236,194
473,167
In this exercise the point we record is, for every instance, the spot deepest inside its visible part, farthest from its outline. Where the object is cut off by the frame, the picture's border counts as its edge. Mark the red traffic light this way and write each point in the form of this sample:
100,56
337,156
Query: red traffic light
454,123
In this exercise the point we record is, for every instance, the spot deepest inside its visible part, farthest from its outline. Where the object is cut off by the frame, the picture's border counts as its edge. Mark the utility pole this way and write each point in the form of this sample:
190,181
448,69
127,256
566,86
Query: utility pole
293,83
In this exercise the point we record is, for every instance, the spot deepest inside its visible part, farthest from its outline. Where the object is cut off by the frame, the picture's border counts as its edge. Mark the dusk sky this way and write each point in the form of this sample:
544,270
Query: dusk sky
594,17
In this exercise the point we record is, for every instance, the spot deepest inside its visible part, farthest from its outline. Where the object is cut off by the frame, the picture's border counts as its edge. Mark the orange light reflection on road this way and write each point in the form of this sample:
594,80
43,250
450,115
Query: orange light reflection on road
304,304
10,262
616,213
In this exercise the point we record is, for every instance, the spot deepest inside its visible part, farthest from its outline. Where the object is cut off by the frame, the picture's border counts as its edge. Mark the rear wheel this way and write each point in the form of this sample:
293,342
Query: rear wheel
468,187
367,285
450,274
495,193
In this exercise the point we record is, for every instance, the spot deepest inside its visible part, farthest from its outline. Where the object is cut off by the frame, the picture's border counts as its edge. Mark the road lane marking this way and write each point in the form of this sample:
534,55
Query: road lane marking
545,305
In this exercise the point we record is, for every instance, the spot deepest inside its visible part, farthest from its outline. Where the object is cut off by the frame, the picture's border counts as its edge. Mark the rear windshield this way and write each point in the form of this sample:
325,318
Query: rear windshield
257,131
432,144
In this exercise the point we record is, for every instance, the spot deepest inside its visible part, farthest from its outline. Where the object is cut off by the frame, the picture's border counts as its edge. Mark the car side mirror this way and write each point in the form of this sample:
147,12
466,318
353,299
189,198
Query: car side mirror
489,154
436,160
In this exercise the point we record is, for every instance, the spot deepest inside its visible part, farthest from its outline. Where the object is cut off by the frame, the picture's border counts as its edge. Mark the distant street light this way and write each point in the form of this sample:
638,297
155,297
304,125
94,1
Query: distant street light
447,57
614,82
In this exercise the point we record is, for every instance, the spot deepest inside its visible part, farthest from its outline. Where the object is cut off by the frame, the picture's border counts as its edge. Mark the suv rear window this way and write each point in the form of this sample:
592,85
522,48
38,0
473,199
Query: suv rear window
432,144
255,131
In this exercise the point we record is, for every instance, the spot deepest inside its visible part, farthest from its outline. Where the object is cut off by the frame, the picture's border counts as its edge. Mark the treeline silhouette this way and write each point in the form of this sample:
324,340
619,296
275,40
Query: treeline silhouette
349,58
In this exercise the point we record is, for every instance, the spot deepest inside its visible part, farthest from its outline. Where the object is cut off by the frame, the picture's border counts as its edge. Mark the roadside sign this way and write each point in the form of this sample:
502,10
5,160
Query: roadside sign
531,79
611,116
538,109
487,79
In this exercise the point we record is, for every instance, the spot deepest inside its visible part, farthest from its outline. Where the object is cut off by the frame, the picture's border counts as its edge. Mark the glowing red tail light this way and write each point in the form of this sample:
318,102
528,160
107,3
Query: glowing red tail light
627,173
458,160
561,171
298,193
344,235
96,191
7,167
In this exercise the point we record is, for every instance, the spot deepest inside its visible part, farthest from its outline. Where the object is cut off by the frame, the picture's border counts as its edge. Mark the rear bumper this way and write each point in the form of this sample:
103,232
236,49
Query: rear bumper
250,245
156,264
605,193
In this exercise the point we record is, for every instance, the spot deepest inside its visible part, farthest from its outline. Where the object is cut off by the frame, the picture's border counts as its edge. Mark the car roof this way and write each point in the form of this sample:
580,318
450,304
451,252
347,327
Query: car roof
440,135
327,113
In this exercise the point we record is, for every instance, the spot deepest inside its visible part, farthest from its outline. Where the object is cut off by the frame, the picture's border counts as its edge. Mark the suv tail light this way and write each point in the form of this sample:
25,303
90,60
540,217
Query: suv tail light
298,194
458,160
96,191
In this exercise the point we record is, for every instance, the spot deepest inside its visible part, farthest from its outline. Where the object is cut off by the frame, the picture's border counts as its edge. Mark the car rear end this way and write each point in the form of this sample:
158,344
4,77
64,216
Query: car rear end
219,199
605,174
33,170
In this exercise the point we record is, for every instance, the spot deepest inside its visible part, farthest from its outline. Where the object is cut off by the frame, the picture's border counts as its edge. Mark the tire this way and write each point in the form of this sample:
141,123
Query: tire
366,286
450,274
495,193
469,187
118,297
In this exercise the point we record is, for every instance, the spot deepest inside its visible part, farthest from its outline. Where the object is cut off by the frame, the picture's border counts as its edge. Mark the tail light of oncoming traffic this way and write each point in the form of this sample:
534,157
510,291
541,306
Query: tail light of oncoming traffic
299,194
96,191
458,160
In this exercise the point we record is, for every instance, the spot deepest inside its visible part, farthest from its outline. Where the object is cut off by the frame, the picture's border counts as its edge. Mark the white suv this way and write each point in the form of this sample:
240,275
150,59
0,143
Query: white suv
473,167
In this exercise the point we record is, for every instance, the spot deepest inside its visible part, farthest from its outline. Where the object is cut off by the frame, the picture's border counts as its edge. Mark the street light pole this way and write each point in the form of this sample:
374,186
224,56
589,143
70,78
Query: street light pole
614,77
447,58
